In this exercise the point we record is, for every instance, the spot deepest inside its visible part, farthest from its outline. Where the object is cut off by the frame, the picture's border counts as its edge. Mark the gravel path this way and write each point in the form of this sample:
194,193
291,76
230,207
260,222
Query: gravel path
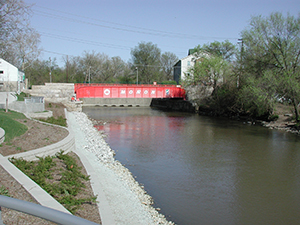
121,199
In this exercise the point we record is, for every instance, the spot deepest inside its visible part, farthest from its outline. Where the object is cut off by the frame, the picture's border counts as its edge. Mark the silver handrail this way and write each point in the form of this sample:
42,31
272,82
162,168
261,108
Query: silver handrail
42,212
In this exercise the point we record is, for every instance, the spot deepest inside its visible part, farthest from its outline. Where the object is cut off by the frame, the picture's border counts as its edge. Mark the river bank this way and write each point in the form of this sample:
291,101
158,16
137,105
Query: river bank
128,202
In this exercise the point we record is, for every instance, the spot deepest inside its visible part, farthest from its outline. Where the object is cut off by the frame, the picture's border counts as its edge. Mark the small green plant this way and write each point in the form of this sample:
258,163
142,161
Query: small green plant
58,121
273,117
22,96
69,186
18,148
4,191
50,105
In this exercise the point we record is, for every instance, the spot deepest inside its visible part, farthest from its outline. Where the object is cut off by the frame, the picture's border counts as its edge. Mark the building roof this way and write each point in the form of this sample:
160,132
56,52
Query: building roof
191,51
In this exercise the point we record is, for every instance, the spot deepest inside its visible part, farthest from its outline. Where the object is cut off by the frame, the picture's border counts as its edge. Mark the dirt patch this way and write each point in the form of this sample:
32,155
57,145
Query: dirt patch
39,135
285,119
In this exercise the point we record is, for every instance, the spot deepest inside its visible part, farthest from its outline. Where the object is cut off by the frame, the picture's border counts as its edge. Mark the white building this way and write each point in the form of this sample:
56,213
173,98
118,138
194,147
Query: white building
182,67
11,79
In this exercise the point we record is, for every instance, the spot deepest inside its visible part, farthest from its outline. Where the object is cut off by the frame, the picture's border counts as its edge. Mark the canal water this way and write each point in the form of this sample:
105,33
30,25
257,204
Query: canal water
203,170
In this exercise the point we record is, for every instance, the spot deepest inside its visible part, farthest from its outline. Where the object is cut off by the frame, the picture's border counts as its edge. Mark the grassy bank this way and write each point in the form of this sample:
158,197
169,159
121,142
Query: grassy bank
10,125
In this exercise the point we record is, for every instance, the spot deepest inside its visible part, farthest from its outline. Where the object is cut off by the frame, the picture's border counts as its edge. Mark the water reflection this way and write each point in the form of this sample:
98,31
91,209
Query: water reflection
201,170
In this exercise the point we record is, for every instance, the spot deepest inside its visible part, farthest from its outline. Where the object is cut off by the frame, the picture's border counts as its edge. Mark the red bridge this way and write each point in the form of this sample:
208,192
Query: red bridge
128,91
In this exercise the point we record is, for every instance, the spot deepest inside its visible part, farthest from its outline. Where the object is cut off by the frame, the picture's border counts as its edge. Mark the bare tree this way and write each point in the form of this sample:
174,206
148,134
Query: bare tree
18,41
168,60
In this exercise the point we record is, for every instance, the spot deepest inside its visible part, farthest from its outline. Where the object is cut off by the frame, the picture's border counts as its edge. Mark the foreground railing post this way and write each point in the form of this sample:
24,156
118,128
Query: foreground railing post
1,222
42,212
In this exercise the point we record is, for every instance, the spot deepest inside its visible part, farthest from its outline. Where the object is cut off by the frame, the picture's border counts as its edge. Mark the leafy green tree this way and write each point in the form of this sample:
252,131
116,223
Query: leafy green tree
226,50
256,96
272,46
208,70
146,59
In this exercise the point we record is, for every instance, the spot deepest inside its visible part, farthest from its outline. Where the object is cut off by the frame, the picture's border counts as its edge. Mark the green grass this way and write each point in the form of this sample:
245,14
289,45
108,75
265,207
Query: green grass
10,125
58,121
70,184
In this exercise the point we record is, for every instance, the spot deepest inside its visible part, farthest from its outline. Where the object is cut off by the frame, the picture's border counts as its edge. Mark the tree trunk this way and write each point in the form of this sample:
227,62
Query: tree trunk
6,105
296,109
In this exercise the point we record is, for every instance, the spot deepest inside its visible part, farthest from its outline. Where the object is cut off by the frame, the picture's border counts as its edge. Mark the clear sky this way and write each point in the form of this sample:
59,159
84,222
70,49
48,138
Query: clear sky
114,27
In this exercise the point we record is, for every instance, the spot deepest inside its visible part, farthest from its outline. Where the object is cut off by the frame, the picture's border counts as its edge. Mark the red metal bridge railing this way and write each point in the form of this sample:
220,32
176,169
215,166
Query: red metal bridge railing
128,91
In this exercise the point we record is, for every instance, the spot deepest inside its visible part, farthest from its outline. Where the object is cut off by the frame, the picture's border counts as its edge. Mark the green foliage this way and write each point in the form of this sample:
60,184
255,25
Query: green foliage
225,50
146,58
208,70
4,191
273,117
168,82
272,45
10,125
70,185
58,121
224,101
257,95
22,96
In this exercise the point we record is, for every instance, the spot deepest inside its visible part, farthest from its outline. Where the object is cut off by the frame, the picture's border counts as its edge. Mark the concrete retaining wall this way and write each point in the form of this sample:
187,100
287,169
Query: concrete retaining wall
2,135
29,107
66,145
116,101
173,105
53,92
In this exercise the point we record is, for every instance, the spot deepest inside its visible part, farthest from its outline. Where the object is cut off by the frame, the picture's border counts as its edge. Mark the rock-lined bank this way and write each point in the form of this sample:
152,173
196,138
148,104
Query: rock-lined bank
125,199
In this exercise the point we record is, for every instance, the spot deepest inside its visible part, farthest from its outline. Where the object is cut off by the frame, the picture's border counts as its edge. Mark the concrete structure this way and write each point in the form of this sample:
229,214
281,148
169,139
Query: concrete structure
2,135
126,102
30,105
6,96
53,92
11,79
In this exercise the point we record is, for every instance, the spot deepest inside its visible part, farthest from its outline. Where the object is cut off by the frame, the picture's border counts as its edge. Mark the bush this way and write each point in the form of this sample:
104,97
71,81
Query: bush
22,96
69,187
59,121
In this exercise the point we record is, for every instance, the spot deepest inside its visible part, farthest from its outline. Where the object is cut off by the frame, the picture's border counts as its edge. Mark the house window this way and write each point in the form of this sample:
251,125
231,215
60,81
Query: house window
1,71
189,63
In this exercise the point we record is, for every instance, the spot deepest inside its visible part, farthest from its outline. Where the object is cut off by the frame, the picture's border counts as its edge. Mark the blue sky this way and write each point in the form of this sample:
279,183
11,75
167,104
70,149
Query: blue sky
114,27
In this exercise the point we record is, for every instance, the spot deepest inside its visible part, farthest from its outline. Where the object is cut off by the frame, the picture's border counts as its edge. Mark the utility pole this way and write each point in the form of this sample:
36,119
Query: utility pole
137,75
50,70
241,60
67,68
90,75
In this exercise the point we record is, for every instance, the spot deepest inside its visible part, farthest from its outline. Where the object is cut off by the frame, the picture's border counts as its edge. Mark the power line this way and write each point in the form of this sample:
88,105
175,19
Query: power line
83,41
139,30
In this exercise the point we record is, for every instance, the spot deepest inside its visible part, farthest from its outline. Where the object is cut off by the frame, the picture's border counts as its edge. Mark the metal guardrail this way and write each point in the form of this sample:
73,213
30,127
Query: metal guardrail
41,212
34,99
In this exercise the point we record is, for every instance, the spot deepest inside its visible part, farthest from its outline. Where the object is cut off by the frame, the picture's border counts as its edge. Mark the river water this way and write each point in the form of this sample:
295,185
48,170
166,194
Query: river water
203,170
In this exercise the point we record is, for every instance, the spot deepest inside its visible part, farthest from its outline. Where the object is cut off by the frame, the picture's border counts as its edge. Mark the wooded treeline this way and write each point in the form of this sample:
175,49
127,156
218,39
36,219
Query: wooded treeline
251,78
